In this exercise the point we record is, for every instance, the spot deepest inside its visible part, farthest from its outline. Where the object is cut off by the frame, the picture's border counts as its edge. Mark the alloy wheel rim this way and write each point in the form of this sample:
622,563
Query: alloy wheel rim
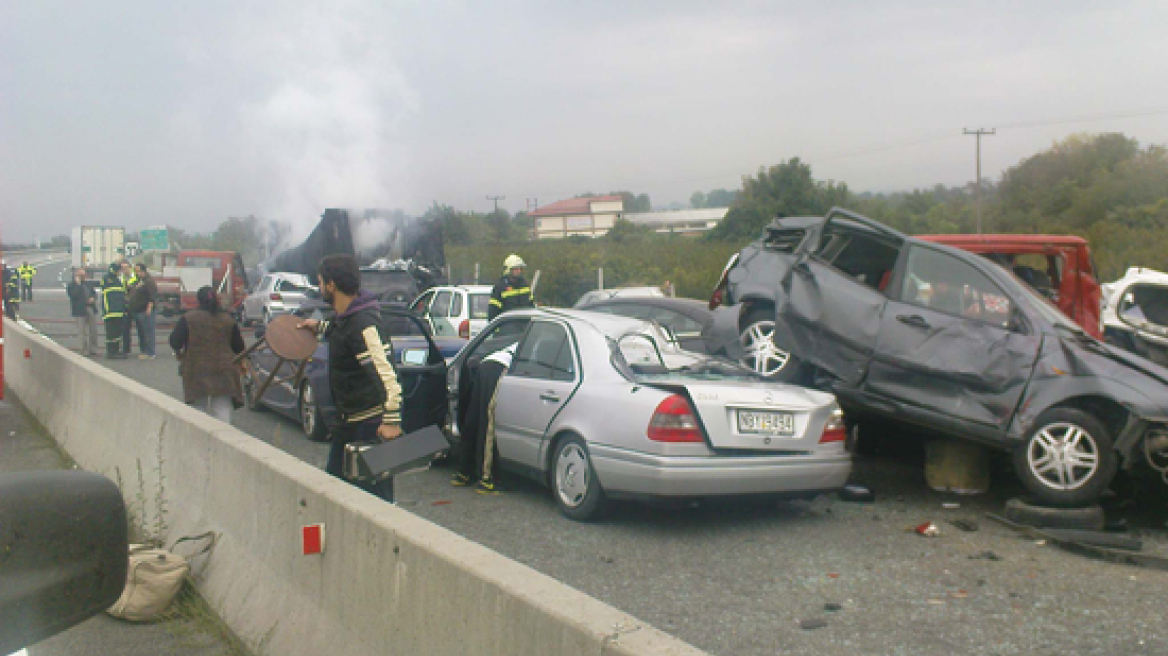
308,410
1063,456
759,350
572,475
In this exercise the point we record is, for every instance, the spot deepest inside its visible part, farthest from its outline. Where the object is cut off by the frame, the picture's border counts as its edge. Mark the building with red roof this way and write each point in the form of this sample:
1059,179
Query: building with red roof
589,216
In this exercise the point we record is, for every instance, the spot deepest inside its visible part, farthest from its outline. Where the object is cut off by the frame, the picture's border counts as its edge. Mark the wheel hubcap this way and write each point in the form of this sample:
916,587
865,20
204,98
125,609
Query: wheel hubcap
572,475
308,410
1063,456
759,350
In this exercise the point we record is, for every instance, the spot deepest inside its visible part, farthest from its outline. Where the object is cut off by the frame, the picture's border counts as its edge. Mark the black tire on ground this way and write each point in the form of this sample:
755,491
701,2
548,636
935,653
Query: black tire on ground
758,347
574,484
311,419
1067,460
1023,512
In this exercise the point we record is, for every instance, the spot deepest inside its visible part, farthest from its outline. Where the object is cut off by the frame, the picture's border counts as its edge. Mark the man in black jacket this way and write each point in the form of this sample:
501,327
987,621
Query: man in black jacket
83,307
362,379
512,290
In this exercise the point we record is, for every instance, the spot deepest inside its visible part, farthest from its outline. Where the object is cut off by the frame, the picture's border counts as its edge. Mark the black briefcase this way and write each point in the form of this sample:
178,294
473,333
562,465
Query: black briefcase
370,462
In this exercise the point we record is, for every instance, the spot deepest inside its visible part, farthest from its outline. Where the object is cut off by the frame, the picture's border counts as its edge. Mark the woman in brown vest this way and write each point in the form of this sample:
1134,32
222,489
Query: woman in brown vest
207,339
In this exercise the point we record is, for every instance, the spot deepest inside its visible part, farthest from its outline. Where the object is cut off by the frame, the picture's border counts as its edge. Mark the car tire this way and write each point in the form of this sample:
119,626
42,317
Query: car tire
311,419
1042,464
248,383
759,351
1022,511
574,484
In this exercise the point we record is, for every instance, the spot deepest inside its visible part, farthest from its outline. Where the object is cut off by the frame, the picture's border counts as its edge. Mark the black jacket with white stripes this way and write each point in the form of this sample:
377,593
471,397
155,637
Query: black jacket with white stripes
362,377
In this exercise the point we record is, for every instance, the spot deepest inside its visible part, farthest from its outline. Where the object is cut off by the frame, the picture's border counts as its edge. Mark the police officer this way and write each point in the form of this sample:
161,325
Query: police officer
26,271
512,291
113,312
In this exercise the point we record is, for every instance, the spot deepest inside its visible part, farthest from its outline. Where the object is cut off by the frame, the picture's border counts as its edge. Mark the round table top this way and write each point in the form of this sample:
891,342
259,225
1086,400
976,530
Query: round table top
288,341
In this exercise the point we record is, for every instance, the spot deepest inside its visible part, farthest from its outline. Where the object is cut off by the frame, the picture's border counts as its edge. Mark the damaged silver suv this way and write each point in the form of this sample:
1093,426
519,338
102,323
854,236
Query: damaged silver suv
924,333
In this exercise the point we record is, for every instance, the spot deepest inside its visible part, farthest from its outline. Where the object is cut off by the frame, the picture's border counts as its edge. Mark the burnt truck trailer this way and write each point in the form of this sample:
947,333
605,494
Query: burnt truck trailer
399,256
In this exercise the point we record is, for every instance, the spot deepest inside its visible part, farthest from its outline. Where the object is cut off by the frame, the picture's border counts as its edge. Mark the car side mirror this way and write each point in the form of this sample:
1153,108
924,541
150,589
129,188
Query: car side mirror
416,357
64,540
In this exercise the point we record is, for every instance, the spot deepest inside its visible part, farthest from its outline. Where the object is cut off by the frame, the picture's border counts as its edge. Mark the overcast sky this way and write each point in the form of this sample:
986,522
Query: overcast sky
139,112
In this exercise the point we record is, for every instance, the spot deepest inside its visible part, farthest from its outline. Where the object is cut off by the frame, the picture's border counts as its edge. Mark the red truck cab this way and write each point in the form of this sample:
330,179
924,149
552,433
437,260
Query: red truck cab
1057,266
177,286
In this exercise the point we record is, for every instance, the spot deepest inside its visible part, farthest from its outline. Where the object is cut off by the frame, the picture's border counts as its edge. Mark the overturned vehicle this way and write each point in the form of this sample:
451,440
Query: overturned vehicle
920,332
1135,313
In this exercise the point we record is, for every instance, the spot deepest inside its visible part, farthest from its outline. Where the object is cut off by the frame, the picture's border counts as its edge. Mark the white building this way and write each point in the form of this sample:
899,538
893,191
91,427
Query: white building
590,216
679,221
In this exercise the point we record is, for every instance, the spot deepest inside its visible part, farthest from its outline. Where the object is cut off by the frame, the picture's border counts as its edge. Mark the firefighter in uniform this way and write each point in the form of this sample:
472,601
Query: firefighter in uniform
113,312
512,291
11,292
26,271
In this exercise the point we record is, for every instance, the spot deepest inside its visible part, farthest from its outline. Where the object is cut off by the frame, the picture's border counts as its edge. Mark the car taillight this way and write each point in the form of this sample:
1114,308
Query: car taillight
835,430
674,421
464,329
719,295
716,298
275,297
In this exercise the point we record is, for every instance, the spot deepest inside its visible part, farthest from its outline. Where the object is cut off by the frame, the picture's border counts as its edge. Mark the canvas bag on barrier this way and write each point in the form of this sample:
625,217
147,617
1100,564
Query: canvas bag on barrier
154,578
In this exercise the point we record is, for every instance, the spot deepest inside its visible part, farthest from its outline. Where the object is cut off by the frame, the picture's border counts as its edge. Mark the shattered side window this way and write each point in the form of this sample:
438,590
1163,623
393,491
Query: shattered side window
946,284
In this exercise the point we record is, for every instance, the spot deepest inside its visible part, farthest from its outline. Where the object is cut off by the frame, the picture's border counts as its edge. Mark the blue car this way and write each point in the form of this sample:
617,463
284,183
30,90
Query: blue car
419,358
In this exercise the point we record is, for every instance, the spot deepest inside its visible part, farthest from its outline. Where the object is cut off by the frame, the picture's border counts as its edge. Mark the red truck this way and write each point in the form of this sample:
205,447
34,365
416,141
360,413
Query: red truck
1057,266
184,273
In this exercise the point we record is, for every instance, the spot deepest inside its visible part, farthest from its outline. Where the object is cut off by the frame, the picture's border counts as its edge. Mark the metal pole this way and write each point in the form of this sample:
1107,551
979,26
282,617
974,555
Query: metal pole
977,188
600,278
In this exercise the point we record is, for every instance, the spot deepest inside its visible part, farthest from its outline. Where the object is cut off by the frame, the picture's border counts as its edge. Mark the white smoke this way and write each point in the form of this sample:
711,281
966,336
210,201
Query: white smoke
322,131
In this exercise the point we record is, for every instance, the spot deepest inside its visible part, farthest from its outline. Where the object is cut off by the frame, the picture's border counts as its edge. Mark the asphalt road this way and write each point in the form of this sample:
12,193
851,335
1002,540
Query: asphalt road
737,578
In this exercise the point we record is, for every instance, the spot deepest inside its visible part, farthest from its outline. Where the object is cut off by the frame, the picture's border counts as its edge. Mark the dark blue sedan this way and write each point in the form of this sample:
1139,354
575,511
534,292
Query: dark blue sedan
419,358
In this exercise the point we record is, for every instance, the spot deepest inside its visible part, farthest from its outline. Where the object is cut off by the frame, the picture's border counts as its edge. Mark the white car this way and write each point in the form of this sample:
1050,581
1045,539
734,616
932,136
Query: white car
1135,313
276,294
598,295
455,310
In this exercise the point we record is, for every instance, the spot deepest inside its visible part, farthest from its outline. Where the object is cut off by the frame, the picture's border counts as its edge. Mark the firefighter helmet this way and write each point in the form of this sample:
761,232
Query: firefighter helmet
513,261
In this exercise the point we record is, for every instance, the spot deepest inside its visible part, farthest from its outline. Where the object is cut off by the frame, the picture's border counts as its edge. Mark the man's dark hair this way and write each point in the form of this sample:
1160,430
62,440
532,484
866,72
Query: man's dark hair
341,270
208,299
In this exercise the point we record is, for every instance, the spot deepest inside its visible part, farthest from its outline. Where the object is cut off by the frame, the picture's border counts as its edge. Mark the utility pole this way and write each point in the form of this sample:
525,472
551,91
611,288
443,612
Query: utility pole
496,199
977,189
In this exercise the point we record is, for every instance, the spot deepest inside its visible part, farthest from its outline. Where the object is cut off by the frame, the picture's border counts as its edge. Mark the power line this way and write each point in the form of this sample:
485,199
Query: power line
907,142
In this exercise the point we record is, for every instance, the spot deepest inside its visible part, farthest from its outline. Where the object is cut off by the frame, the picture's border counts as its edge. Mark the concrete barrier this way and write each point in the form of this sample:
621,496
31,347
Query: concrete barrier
388,583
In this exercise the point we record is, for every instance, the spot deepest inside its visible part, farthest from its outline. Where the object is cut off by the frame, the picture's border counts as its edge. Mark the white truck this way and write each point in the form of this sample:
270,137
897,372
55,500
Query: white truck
96,247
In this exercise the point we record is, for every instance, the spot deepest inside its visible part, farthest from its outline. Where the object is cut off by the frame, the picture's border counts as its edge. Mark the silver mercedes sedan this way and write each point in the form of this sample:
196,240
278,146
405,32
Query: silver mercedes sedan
602,407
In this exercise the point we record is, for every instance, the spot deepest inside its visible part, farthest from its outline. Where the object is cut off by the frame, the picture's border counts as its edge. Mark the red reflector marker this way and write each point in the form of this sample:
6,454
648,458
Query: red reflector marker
312,539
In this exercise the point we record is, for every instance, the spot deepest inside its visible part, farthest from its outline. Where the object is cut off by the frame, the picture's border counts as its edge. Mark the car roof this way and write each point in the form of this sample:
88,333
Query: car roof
473,289
687,306
611,325
1022,243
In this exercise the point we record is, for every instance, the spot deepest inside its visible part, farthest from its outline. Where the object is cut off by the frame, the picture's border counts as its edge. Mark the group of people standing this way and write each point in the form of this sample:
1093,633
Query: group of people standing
17,287
126,296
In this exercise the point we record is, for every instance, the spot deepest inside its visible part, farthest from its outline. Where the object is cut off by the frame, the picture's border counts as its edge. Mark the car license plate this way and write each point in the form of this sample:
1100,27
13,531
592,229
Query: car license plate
753,421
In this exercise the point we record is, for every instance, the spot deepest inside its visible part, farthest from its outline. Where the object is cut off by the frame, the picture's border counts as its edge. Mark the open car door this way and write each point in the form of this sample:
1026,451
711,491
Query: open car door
830,301
421,370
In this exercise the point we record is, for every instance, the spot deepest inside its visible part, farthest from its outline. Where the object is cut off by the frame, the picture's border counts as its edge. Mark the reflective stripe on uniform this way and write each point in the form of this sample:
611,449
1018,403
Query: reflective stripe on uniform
516,292
496,302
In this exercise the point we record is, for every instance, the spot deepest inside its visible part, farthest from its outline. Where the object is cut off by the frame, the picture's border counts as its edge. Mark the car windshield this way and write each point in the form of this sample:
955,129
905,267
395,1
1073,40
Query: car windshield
292,286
